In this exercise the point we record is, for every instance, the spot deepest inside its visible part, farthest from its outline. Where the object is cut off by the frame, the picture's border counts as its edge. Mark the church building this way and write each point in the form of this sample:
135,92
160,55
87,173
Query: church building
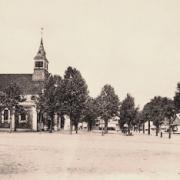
31,85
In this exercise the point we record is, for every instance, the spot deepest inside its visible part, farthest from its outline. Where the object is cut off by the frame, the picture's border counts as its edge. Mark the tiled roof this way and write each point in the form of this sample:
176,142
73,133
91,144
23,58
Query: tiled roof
24,81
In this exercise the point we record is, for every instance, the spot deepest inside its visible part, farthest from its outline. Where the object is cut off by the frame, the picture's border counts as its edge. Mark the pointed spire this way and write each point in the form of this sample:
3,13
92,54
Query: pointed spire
41,54
41,43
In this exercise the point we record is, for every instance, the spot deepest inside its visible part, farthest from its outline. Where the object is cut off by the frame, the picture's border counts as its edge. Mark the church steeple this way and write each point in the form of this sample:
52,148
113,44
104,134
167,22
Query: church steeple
40,63
41,54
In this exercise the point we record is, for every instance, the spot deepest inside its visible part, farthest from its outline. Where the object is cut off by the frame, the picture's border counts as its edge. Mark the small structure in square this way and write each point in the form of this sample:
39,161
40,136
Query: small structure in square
31,85
176,125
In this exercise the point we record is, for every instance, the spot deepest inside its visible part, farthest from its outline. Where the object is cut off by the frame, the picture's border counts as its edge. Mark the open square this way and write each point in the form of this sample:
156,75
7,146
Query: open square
88,155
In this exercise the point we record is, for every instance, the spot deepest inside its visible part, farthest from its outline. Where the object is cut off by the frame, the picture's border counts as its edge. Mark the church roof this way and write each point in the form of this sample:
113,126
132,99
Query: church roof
24,81
41,54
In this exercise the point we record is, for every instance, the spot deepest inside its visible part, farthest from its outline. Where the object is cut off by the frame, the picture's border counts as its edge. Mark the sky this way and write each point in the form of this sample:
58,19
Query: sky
134,45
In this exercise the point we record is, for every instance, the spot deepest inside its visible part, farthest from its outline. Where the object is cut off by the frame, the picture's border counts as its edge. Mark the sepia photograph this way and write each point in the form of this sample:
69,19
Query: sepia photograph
89,89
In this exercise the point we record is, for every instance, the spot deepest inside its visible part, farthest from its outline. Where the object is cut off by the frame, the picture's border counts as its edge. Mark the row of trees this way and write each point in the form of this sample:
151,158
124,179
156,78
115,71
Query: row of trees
62,96
69,96
159,110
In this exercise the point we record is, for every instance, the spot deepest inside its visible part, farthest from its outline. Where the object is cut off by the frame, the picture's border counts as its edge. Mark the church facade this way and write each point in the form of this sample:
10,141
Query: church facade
31,85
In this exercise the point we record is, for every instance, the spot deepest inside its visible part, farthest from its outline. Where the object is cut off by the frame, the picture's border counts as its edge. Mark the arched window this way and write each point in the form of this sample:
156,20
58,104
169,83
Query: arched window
6,114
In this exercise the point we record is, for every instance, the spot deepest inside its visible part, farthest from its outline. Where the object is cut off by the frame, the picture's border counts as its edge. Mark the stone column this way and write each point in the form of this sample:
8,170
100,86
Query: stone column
9,114
66,122
13,120
55,122
34,118
2,116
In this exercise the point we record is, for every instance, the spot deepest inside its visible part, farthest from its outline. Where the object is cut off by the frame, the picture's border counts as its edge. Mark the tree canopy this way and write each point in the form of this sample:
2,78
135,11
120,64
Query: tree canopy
10,98
128,112
48,99
108,104
90,112
75,95
158,109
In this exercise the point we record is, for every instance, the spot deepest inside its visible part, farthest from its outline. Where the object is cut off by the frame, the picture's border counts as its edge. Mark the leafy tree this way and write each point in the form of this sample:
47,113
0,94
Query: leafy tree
177,98
157,114
140,120
158,109
47,101
75,96
2,100
147,115
170,112
128,112
108,104
60,98
10,98
90,112
135,122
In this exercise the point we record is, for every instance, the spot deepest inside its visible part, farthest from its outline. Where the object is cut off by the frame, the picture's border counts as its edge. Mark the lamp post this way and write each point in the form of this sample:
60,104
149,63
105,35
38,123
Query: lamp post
149,125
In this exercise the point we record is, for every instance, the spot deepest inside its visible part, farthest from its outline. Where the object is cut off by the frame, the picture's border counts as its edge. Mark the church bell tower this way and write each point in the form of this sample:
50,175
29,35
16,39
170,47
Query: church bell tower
40,64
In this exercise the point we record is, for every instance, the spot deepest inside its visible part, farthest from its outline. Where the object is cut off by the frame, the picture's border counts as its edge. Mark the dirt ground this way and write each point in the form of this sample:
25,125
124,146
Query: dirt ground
88,155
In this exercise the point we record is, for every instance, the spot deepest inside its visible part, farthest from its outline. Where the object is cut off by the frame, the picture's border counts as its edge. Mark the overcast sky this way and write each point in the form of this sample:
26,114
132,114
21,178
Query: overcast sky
134,45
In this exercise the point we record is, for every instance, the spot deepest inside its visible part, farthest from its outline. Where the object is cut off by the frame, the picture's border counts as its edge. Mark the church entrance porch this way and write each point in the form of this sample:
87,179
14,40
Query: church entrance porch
24,120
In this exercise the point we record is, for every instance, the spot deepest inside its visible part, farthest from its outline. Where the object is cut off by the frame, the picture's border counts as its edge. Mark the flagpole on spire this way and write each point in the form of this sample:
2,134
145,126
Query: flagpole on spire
42,32
42,35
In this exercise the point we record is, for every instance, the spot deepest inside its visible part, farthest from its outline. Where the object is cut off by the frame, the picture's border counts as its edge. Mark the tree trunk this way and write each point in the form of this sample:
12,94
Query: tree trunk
51,123
89,126
143,128
157,130
102,131
76,127
71,126
129,129
139,127
170,128
106,127
41,122
149,127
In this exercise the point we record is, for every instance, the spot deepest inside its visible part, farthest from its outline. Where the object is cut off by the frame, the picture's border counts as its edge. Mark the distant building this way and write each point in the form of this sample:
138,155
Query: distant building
113,123
31,85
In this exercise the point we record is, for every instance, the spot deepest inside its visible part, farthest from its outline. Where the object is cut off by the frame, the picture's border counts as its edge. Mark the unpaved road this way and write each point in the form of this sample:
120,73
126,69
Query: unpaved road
88,155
